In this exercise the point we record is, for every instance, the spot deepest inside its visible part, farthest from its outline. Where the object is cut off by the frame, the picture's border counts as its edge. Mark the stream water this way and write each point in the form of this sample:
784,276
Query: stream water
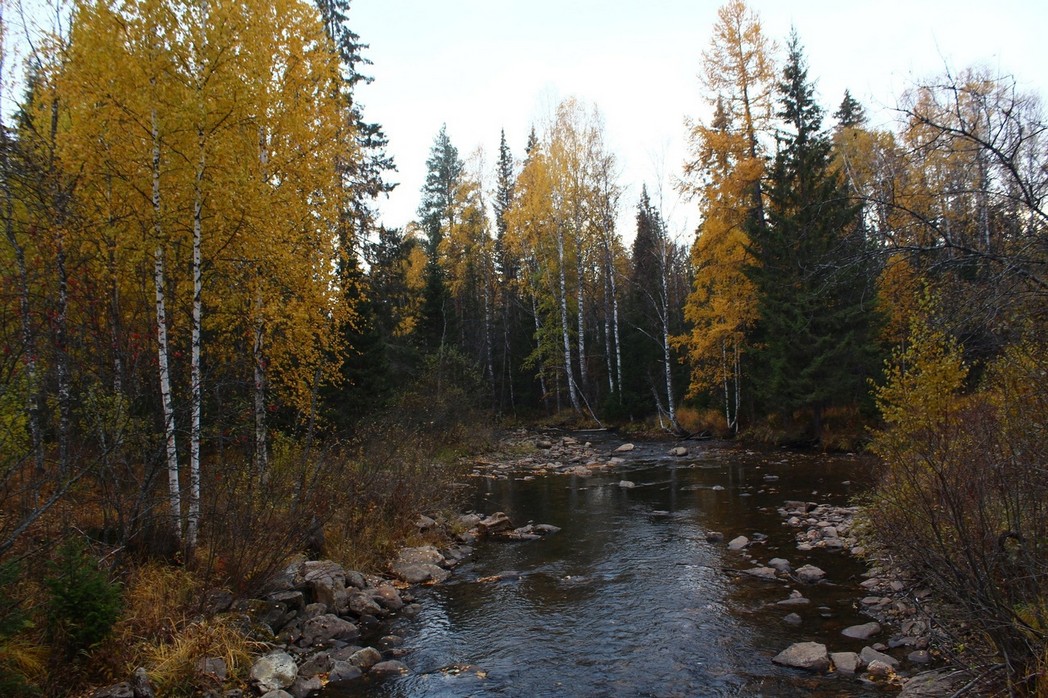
629,598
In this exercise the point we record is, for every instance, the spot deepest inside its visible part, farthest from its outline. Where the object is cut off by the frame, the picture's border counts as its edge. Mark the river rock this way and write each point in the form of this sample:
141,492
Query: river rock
792,619
141,684
679,451
273,671
424,523
765,573
862,632
919,657
934,684
627,484
878,669
365,658
117,690
796,599
363,604
810,574
804,655
625,448
780,564
319,663
870,655
304,687
418,565
714,536
387,596
496,523
327,580
846,662
389,668
738,543
323,629
277,693
344,671
546,529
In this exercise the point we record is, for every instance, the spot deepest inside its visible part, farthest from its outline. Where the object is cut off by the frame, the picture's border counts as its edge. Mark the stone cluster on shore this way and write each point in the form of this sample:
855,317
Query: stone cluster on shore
524,452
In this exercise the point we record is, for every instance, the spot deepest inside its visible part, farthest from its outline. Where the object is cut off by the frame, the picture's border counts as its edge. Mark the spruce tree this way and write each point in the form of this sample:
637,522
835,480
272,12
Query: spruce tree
641,348
813,336
850,114
437,215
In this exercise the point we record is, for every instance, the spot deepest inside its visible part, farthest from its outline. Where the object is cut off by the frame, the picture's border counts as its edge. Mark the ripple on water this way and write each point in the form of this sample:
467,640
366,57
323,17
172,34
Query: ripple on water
629,598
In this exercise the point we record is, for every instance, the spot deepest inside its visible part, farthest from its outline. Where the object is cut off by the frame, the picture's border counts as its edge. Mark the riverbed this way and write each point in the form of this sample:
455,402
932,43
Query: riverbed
631,598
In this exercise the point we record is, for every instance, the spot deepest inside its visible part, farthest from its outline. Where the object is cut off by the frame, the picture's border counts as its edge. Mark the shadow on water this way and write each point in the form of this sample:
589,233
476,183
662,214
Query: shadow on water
629,598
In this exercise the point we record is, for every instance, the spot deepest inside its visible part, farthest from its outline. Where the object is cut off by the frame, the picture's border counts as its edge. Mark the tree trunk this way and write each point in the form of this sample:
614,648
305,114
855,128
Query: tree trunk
163,352
196,379
580,296
568,372
261,449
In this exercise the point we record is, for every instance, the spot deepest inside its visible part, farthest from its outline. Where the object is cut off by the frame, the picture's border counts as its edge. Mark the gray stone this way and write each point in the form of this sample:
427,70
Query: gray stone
390,668
327,581
878,669
765,573
277,693
862,632
919,657
388,597
319,663
810,574
627,484
323,629
779,564
344,671
212,669
141,685
804,655
495,523
362,604
679,451
738,543
546,529
273,671
303,687
625,448
792,619
935,684
366,658
714,536
424,523
119,690
846,662
869,655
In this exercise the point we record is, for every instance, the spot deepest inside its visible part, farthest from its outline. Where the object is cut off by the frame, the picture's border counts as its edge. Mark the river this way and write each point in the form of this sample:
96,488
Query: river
629,598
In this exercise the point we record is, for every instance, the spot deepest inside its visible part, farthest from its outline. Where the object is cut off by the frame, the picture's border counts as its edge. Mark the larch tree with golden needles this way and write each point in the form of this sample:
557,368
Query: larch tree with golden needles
725,171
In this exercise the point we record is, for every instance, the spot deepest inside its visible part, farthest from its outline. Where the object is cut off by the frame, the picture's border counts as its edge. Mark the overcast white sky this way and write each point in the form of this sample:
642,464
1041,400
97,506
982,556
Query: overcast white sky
484,65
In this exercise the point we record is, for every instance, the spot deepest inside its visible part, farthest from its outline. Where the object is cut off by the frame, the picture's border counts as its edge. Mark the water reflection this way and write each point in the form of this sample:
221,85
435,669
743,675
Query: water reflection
630,598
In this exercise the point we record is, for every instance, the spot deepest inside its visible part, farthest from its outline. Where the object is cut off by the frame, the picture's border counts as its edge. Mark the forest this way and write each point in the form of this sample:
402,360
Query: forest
207,330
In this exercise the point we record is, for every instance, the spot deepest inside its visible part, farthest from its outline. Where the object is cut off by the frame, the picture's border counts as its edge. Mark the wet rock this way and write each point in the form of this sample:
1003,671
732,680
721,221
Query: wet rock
388,642
765,573
326,580
277,693
810,574
738,543
714,536
323,629
118,690
846,662
679,451
344,671
496,523
390,667
418,565
811,656
796,599
365,658
717,488
273,671
546,529
362,604
627,484
387,597
625,448
862,632
878,669
780,564
869,655
792,619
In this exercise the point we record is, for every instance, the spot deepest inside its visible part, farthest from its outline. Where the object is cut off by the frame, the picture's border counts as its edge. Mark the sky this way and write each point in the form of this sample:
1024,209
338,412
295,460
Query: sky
481,66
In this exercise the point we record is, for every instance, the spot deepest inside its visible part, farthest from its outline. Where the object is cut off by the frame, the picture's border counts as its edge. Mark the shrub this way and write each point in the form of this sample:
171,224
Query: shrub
962,505
20,659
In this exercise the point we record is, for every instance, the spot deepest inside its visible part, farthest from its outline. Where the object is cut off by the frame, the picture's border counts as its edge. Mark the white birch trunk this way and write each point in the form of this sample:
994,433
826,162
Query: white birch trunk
568,372
163,351
580,297
196,379
538,333
664,297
